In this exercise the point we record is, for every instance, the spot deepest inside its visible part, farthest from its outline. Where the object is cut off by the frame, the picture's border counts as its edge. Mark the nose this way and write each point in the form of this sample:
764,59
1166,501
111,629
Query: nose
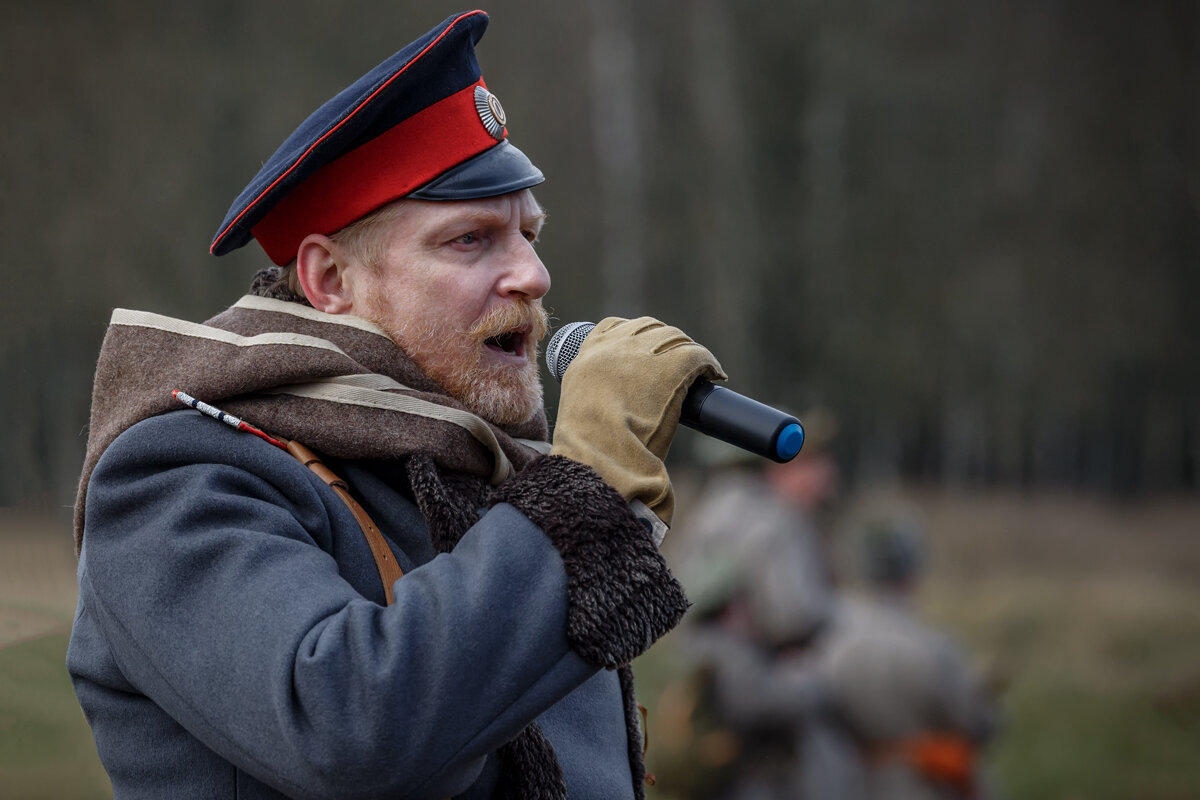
525,274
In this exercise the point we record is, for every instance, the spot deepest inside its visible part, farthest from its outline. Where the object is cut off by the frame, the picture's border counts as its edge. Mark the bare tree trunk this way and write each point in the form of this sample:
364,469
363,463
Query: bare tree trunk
730,254
618,141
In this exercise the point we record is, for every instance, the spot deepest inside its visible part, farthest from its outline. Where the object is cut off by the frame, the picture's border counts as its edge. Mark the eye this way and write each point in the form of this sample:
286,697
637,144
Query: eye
467,238
530,235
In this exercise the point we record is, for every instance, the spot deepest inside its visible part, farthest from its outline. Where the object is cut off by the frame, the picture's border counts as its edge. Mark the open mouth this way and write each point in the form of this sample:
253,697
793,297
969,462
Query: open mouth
510,342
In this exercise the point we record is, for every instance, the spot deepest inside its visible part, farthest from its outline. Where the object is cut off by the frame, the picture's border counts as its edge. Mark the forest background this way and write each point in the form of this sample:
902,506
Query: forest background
971,231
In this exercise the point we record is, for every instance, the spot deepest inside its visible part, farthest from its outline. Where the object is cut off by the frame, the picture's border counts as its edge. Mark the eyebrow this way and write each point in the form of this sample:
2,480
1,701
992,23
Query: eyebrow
484,217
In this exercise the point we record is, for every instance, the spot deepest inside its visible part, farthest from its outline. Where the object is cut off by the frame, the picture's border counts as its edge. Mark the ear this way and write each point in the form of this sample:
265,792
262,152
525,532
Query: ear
321,268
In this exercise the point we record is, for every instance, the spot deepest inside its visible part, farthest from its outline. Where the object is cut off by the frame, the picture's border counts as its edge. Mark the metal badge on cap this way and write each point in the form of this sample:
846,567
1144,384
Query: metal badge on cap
491,113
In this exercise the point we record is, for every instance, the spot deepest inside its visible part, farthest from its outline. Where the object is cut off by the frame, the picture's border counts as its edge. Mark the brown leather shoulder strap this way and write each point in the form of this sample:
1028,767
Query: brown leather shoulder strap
385,562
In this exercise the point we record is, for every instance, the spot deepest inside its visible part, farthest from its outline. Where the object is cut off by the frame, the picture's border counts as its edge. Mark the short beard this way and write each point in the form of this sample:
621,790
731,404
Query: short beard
501,394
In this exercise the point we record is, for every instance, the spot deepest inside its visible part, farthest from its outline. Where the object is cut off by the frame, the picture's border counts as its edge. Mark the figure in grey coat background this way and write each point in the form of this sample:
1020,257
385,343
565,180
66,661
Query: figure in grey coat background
831,688
755,561
906,692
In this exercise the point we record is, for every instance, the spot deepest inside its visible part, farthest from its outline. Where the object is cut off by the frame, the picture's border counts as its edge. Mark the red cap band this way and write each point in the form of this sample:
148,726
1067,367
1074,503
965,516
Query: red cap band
401,160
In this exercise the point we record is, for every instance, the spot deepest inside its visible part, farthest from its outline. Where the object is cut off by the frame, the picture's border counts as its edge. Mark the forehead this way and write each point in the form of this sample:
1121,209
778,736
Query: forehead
518,208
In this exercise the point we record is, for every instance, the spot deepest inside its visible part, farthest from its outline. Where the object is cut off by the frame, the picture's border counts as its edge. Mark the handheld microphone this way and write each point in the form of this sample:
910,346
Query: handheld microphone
710,409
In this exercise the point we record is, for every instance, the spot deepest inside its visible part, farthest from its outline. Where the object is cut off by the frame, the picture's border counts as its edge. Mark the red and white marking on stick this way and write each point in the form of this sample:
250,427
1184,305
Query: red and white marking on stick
228,419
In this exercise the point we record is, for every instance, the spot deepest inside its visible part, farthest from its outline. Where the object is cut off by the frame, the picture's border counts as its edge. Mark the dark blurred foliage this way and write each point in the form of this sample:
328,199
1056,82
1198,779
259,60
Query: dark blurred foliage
970,230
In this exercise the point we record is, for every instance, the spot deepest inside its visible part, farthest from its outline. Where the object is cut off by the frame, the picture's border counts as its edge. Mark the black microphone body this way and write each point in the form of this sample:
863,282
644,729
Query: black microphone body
707,408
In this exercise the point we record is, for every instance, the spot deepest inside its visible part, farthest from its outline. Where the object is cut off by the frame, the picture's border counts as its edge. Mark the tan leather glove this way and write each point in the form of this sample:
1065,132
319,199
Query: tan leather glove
620,404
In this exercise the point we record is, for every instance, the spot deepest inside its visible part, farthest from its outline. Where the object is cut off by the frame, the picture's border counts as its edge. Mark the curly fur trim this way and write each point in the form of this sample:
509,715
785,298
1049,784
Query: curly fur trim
620,593
450,502
531,757
272,282
637,736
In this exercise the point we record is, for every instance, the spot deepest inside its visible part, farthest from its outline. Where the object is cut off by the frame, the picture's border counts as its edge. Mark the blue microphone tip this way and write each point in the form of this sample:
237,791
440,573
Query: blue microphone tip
789,442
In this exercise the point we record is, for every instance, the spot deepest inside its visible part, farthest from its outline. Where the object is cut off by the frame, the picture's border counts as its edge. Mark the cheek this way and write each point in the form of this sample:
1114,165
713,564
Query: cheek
436,297
461,301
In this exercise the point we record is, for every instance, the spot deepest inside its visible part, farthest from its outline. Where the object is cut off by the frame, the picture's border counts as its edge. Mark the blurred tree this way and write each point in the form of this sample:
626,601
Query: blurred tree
971,230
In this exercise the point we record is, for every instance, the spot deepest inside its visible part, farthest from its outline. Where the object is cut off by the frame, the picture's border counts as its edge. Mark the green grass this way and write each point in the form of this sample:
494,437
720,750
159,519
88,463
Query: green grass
1114,710
46,748
1065,743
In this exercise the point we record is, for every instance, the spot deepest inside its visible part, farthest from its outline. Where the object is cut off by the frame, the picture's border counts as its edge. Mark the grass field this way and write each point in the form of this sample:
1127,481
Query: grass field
46,750
1090,610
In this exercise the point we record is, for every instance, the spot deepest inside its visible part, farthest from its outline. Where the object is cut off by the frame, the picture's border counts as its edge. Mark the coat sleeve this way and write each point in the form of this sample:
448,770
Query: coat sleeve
204,568
621,595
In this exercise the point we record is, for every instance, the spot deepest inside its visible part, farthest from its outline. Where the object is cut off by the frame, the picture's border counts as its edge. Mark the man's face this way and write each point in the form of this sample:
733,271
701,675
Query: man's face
459,290
810,480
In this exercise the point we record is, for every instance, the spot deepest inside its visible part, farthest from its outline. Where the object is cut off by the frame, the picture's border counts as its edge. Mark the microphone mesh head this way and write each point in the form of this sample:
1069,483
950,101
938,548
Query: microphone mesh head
564,346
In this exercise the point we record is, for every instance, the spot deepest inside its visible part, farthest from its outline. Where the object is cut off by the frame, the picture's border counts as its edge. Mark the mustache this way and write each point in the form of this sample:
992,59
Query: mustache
513,316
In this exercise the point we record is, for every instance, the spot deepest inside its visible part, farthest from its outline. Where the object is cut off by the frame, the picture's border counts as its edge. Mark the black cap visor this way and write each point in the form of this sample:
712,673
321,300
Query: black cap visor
496,171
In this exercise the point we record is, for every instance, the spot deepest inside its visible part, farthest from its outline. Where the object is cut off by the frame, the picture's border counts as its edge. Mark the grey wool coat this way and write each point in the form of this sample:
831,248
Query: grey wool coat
232,638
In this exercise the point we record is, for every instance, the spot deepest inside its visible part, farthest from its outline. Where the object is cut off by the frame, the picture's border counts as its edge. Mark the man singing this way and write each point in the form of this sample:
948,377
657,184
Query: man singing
379,580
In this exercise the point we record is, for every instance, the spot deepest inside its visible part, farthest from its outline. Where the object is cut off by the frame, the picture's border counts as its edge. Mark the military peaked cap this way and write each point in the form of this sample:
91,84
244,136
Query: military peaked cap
421,124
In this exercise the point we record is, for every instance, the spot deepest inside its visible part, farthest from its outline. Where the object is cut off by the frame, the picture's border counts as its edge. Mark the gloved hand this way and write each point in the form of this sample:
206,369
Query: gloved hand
620,403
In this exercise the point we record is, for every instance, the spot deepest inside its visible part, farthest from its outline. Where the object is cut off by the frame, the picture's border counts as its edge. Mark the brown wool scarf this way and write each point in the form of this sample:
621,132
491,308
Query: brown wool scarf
340,386
336,383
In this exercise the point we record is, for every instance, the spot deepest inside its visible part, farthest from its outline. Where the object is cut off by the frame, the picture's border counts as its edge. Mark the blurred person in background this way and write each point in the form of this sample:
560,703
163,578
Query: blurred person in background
441,603
916,711
754,559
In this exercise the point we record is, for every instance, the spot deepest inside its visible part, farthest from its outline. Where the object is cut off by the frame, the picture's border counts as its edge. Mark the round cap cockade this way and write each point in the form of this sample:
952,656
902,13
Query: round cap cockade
421,124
